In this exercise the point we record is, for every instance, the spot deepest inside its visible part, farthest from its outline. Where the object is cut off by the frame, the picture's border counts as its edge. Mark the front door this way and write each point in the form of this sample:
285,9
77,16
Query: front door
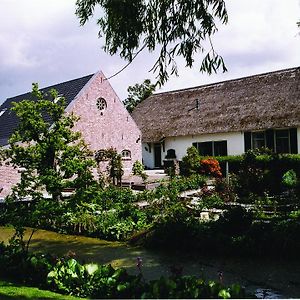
157,155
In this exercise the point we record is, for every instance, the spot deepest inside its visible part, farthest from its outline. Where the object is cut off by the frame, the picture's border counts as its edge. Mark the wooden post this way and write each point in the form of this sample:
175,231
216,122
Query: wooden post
227,172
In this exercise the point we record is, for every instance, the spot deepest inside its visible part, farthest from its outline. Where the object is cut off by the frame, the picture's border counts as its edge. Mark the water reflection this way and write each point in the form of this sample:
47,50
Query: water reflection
267,294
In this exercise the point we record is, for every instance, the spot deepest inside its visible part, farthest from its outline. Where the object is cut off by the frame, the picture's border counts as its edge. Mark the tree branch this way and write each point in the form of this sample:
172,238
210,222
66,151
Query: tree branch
136,54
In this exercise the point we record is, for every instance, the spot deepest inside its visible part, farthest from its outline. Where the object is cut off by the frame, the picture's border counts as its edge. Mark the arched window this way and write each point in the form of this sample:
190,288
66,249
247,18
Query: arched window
126,154
101,104
100,155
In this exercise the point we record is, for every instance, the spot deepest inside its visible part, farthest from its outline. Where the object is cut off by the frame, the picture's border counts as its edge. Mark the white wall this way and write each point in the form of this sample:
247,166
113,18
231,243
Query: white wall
235,142
148,157
235,145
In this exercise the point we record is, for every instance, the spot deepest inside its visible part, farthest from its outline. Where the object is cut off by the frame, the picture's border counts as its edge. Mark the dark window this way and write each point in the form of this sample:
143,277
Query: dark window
258,139
279,140
270,139
214,148
126,154
282,141
247,140
220,148
293,140
157,155
205,148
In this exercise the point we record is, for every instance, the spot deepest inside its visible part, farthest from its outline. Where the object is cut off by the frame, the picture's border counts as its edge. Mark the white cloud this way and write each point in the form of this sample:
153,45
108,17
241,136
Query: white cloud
261,36
42,41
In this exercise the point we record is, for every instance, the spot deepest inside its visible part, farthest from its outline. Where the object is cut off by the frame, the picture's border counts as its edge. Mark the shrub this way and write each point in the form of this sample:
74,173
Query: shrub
191,162
138,169
235,221
259,172
210,167
289,179
234,162
187,183
173,228
211,201
112,195
225,189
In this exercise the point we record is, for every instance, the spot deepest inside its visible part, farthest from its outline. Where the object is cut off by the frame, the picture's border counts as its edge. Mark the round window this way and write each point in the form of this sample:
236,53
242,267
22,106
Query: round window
101,104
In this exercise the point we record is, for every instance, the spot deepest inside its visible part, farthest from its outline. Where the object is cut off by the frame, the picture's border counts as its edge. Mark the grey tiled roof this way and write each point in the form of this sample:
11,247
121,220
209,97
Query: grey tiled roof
9,121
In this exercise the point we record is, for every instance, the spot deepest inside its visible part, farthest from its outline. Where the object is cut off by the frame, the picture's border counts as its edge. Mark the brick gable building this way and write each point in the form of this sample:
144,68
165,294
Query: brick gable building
104,122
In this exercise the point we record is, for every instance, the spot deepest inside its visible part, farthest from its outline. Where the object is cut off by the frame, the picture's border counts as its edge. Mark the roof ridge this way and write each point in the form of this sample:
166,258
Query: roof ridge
228,80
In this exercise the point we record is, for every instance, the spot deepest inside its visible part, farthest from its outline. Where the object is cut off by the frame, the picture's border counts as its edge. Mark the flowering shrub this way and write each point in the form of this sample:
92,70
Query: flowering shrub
210,166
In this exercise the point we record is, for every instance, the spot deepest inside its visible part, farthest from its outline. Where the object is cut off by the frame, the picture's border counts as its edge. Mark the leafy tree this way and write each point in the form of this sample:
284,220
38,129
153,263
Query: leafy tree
173,27
138,93
50,154
114,165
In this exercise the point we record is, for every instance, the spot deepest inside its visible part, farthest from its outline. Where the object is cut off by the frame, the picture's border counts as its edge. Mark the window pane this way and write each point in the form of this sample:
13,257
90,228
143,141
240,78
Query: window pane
258,139
220,148
282,133
282,141
205,149
126,154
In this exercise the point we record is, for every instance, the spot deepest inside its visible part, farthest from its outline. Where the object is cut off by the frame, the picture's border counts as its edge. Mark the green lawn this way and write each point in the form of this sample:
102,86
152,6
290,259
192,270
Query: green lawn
9,290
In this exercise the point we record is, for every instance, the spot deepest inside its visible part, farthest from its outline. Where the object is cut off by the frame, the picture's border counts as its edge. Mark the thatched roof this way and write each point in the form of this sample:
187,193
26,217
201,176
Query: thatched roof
270,100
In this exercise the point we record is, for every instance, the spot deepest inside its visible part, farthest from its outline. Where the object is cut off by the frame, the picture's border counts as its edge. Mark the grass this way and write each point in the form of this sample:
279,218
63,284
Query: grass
9,290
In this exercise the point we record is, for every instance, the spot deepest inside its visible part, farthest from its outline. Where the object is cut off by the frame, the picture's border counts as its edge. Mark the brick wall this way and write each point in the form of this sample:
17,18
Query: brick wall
110,127
101,129
9,176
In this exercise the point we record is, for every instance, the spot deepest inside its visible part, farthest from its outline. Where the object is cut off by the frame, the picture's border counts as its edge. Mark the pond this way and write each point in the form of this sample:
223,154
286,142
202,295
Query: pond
265,278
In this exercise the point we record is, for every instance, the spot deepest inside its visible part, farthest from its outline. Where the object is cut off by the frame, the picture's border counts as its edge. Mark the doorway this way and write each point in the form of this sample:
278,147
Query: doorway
157,155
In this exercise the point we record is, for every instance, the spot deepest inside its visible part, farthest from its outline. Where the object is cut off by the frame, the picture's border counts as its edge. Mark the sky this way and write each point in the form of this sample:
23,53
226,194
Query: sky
42,41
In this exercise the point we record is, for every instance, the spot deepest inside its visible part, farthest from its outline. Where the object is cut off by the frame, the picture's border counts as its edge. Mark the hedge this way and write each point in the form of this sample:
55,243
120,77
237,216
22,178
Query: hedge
282,162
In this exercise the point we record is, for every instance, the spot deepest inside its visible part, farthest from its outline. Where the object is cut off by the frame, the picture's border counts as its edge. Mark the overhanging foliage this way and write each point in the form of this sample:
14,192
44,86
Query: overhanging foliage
173,27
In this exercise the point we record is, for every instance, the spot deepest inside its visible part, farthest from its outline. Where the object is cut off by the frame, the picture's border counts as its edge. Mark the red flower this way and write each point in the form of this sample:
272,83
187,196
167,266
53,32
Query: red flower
210,166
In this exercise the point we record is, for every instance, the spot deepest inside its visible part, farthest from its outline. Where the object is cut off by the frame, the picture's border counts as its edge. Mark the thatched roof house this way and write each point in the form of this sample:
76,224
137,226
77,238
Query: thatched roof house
255,103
